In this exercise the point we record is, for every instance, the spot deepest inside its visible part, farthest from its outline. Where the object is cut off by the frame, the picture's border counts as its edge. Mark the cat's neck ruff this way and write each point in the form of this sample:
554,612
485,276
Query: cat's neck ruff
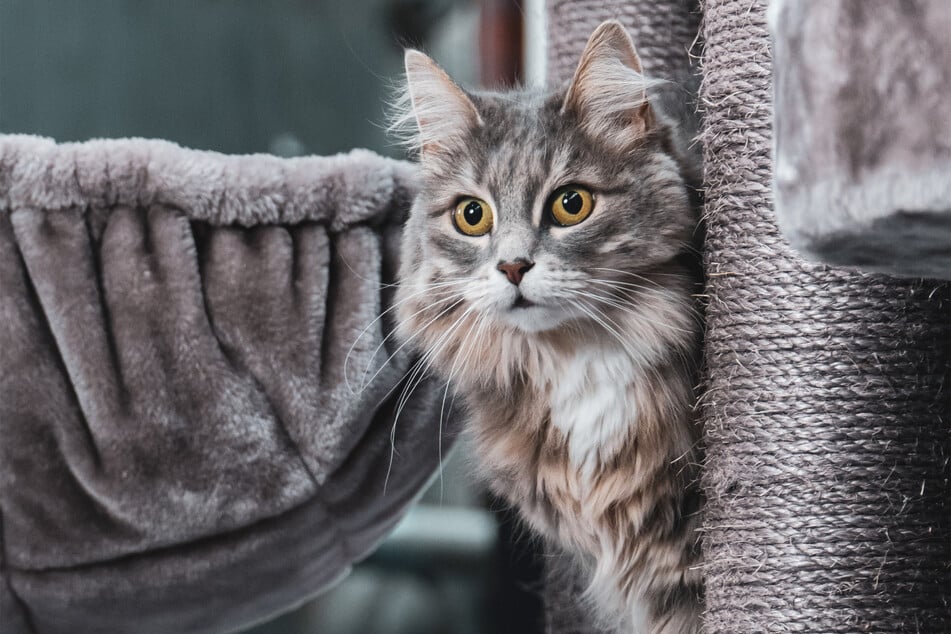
626,343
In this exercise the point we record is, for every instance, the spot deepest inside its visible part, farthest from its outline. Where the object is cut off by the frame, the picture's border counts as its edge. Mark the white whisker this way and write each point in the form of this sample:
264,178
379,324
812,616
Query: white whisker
426,289
638,314
638,276
416,378
409,339
468,339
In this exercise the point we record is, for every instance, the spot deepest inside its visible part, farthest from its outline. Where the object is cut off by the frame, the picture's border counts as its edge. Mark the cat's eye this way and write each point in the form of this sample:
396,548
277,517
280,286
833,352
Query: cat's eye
472,217
570,205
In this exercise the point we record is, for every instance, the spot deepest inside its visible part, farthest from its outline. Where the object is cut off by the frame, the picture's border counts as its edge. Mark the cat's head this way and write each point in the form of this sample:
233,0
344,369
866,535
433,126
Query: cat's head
539,211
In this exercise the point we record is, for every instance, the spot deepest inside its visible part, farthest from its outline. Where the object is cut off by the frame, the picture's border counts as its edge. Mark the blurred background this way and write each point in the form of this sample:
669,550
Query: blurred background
295,77
287,77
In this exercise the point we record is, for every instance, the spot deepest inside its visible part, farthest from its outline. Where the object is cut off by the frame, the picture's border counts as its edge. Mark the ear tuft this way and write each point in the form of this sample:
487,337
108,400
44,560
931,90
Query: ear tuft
441,110
609,90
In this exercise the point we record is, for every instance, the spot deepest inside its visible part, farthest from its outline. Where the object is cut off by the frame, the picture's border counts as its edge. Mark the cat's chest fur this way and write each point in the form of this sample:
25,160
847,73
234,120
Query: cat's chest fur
565,447
592,403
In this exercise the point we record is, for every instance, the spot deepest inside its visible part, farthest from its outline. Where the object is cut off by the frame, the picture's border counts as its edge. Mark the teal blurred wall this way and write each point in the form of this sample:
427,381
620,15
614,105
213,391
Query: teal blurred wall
288,76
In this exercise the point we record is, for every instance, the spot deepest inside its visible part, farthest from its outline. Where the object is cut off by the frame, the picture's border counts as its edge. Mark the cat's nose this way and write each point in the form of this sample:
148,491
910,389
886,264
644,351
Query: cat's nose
515,269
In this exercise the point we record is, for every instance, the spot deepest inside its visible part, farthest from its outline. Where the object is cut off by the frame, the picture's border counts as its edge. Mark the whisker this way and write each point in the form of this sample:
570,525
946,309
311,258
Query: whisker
468,339
415,380
591,313
681,354
449,308
426,289
615,303
637,275
436,348
628,286
619,284
414,335
446,296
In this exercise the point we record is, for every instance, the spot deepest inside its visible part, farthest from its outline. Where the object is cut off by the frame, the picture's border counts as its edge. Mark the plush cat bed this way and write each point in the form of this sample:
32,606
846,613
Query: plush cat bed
189,437
863,122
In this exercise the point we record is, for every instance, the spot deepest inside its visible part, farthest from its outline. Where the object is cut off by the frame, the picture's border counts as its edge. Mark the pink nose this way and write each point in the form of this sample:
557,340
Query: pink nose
515,270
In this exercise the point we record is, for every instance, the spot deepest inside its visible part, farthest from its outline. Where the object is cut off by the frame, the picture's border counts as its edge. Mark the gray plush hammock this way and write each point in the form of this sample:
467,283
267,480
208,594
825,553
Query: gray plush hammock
187,440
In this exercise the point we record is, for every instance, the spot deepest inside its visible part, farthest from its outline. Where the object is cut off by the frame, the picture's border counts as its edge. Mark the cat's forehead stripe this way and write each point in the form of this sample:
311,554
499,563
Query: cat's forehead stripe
518,165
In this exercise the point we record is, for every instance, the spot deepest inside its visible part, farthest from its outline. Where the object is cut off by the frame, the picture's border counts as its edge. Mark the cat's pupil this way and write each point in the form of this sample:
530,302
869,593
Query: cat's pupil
572,202
472,213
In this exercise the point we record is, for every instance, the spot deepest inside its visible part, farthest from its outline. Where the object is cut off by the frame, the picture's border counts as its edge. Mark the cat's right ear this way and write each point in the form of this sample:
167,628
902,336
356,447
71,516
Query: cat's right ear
443,112
609,91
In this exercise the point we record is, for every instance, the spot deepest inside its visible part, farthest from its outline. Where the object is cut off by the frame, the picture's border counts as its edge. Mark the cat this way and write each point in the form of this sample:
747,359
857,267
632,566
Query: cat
547,272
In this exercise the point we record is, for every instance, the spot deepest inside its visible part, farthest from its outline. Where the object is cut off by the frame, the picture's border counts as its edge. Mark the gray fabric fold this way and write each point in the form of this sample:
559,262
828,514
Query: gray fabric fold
189,436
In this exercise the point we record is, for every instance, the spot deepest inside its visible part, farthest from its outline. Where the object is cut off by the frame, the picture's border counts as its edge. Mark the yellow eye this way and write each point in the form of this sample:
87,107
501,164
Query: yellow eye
570,205
472,217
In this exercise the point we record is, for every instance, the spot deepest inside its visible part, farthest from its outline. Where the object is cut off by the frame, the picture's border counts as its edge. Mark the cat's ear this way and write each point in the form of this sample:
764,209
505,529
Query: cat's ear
608,92
443,112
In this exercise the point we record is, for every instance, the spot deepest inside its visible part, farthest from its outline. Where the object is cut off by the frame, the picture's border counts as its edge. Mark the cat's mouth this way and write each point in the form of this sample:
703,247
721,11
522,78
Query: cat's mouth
522,302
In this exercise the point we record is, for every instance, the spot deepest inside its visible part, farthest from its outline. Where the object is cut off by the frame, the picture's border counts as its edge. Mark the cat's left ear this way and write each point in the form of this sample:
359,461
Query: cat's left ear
608,92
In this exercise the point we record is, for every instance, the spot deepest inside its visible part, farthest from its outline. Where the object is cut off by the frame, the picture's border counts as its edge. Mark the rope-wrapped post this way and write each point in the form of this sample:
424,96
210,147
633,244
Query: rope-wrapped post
664,32
827,398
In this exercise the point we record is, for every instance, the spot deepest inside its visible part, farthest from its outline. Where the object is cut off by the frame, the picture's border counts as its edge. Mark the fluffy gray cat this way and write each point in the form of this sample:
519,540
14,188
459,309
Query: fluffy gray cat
547,274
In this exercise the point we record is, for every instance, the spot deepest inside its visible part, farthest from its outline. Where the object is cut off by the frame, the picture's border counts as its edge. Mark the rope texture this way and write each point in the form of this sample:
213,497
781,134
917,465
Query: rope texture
826,403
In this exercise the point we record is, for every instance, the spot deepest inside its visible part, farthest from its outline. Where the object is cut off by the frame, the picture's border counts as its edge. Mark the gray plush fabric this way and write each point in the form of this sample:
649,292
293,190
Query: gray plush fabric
863,132
180,450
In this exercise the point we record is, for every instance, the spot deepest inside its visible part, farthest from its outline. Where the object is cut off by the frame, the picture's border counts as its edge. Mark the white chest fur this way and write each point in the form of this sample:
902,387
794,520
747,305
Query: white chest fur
592,401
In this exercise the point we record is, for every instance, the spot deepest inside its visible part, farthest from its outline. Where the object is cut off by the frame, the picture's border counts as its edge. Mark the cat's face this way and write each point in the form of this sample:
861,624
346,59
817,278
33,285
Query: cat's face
540,218
540,211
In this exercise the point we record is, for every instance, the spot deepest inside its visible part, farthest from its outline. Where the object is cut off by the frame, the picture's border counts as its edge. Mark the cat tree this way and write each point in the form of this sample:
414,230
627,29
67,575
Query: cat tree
180,449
